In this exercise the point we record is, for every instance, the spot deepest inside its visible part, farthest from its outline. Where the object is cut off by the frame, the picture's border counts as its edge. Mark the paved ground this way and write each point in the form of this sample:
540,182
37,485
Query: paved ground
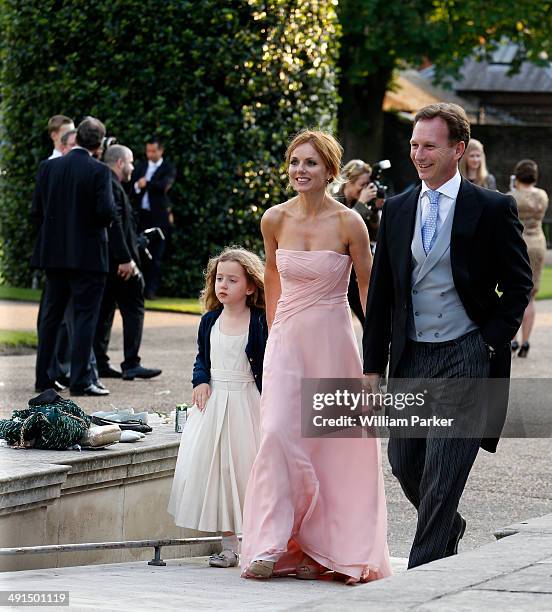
512,485
510,575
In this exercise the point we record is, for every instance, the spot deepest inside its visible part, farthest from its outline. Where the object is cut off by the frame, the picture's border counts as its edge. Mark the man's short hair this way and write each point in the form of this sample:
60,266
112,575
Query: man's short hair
156,140
90,133
55,122
66,136
453,115
114,153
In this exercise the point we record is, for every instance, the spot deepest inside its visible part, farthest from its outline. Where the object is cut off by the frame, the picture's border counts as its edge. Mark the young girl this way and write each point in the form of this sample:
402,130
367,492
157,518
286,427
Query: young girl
221,437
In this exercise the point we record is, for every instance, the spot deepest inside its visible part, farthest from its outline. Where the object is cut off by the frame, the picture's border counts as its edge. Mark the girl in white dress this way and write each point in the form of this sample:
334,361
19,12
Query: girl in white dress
221,437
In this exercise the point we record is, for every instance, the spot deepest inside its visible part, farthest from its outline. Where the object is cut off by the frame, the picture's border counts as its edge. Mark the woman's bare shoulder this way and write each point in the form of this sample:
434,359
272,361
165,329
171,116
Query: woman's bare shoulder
275,213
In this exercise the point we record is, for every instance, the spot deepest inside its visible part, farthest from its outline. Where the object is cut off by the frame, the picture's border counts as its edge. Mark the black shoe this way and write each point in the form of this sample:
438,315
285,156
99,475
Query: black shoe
109,372
523,350
452,546
53,384
63,380
99,384
91,390
140,372
514,345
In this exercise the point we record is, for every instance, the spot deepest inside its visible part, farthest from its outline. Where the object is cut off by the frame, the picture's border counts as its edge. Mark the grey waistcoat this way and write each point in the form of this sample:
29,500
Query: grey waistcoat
436,313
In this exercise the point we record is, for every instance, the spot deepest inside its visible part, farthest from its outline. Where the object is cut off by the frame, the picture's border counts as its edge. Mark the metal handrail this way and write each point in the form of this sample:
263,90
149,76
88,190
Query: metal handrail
155,544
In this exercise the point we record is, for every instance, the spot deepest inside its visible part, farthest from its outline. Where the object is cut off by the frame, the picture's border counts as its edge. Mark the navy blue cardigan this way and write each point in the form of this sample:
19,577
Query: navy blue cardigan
258,334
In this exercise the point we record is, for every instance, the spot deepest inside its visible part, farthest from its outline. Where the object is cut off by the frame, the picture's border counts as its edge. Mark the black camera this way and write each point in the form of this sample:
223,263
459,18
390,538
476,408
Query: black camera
144,239
375,178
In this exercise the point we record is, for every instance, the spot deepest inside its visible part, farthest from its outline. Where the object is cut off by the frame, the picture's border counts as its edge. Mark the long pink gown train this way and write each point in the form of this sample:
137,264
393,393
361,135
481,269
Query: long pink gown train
319,496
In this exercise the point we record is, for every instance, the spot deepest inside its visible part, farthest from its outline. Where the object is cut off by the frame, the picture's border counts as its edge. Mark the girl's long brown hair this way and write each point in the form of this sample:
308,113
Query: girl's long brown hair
254,271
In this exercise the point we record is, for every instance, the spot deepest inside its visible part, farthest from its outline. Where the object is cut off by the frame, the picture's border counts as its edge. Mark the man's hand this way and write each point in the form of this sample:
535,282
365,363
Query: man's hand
372,381
142,183
126,270
200,395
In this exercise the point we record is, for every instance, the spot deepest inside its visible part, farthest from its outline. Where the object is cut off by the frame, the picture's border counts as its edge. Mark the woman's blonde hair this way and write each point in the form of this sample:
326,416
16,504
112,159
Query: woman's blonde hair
326,146
349,174
254,271
482,172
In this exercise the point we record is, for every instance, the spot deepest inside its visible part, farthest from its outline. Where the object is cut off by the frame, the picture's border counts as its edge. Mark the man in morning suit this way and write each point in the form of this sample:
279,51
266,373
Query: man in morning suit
151,181
72,207
443,250
125,284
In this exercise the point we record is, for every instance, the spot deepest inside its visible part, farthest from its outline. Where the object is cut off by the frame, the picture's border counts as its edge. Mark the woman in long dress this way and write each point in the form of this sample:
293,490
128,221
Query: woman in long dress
312,504
532,203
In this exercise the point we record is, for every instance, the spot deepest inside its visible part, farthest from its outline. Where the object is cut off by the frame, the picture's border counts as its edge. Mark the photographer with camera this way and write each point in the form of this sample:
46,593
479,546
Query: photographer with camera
125,284
359,188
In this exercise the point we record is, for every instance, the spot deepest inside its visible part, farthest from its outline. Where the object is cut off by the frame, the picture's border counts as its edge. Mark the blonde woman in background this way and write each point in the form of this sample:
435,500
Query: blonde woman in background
532,203
473,166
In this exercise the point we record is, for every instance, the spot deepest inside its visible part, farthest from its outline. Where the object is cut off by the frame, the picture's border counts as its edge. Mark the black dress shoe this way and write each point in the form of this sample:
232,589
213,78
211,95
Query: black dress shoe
524,350
140,372
53,384
109,372
452,546
90,390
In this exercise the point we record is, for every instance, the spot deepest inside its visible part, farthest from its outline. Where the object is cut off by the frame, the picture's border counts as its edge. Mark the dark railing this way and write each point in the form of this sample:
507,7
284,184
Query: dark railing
155,544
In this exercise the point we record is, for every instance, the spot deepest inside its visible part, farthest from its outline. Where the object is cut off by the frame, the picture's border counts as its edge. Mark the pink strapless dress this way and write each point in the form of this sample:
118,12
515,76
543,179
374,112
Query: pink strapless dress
319,496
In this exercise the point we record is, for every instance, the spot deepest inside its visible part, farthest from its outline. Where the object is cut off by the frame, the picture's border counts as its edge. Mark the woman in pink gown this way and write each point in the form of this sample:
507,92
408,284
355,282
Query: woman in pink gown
312,504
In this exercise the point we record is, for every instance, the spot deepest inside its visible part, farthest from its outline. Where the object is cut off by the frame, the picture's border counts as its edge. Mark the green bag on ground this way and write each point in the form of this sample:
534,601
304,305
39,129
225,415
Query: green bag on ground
54,426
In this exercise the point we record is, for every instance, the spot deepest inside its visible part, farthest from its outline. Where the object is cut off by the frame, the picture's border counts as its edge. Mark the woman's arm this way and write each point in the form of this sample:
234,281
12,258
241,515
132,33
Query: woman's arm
359,249
273,289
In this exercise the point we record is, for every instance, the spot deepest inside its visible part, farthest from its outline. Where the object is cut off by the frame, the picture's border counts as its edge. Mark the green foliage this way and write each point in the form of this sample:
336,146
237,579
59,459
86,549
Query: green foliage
164,304
224,82
16,339
381,35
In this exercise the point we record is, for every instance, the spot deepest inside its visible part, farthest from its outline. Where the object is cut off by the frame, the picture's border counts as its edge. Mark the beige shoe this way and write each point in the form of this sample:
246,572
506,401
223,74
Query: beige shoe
226,558
309,569
262,570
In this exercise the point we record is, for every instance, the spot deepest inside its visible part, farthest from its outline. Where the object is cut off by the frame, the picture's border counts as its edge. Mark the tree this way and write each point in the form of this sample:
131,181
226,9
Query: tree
380,36
224,83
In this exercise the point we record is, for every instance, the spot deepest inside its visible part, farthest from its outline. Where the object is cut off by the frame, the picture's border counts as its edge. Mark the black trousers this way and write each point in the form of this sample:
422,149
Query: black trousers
433,470
129,297
85,289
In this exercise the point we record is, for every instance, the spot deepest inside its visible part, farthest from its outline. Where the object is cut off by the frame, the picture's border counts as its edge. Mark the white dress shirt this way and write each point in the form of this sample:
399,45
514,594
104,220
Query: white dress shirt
449,193
55,153
152,167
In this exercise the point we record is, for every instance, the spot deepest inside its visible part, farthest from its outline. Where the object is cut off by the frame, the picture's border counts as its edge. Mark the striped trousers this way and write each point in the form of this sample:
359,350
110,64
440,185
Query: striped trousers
433,470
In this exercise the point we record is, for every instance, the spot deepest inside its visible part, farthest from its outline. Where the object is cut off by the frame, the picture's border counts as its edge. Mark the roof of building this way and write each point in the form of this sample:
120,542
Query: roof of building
492,76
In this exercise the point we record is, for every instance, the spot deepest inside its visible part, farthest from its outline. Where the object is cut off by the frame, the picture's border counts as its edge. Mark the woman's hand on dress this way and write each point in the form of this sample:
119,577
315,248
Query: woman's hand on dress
200,395
368,194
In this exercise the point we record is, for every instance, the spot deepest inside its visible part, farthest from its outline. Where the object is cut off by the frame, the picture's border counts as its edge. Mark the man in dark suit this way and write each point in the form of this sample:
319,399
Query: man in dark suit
72,207
125,284
151,181
443,249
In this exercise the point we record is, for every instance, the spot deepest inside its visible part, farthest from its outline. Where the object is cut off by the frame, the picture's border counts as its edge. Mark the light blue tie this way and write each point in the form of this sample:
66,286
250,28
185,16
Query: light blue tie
429,230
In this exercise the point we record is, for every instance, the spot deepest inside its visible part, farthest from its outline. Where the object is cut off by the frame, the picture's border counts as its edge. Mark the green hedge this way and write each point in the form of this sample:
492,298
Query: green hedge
224,82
